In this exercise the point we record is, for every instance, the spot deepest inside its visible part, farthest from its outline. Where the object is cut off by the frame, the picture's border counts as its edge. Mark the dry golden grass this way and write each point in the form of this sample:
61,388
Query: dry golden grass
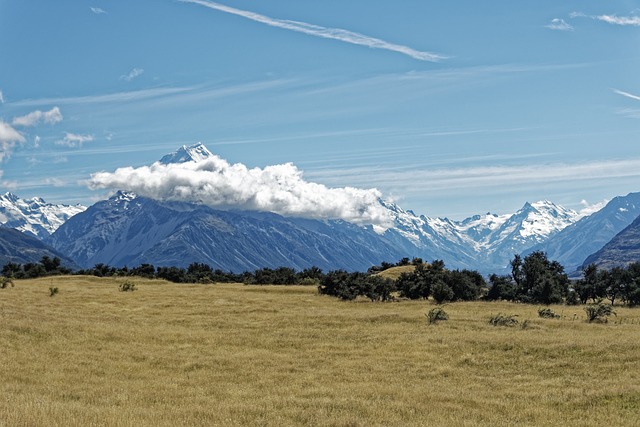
395,272
170,354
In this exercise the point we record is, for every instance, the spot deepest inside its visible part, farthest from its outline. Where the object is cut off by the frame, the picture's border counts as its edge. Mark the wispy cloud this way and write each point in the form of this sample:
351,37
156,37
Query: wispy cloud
324,32
620,20
558,24
1,98
133,74
633,20
454,181
627,94
98,10
51,117
74,140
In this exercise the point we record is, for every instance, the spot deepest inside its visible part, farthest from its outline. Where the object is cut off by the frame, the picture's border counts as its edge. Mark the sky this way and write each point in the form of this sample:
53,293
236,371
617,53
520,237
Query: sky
449,109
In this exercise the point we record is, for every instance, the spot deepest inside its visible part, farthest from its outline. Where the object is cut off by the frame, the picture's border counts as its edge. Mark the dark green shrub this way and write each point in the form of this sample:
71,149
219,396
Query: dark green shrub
53,291
437,314
504,320
442,292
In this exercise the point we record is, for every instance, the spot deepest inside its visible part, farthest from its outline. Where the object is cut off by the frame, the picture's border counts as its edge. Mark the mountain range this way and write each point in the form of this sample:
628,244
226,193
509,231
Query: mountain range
129,230
35,216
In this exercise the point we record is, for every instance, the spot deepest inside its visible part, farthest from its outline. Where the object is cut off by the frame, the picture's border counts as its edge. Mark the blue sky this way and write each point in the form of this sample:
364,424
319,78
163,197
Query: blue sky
449,108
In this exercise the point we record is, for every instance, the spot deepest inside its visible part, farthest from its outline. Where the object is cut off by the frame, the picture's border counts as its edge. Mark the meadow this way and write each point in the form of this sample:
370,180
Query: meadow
172,354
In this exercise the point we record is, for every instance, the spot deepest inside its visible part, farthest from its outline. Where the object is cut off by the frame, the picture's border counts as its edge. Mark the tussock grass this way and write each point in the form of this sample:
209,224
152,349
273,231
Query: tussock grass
172,354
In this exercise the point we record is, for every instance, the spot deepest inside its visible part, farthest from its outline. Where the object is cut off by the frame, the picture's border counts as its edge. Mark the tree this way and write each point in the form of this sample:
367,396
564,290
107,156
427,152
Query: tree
539,280
502,288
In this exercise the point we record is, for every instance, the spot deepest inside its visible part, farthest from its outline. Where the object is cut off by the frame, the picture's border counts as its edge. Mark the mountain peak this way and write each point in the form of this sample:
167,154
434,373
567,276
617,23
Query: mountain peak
193,153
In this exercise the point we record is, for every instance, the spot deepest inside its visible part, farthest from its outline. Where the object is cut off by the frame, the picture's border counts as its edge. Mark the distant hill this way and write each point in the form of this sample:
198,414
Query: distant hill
622,250
22,248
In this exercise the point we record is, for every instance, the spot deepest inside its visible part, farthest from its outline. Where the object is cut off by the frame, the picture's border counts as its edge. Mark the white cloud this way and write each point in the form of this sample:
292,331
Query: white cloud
588,208
51,117
74,140
216,183
136,72
633,20
98,11
559,25
36,141
620,20
627,94
1,98
319,31
9,138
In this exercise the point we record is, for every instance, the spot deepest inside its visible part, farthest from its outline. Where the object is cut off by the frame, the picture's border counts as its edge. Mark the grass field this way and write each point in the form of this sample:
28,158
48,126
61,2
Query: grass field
169,354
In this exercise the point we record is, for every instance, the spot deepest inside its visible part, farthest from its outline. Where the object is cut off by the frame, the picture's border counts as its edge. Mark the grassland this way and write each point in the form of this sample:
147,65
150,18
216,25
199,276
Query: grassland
171,354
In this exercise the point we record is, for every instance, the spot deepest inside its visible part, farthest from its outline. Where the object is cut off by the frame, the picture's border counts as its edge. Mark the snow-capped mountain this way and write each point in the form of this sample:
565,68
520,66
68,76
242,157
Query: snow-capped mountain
575,243
483,242
130,230
193,153
34,216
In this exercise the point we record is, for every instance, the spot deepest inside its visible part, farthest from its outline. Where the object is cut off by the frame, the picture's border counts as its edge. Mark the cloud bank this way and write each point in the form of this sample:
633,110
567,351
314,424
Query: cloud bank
324,32
215,182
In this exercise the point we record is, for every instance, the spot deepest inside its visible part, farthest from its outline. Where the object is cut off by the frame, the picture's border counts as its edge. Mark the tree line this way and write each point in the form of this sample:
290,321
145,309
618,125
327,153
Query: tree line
534,279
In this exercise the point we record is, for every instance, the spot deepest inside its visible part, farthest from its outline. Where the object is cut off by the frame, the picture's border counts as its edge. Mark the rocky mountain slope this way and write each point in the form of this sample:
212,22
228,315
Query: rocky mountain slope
622,250
22,248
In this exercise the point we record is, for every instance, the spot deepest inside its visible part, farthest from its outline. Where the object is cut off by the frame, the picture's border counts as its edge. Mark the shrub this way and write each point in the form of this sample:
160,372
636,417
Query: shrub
127,287
599,312
53,291
504,320
442,292
5,282
437,314
547,313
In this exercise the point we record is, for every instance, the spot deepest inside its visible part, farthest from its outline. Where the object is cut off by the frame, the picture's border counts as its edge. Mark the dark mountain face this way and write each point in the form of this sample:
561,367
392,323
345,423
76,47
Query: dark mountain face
576,242
129,230
22,248
622,250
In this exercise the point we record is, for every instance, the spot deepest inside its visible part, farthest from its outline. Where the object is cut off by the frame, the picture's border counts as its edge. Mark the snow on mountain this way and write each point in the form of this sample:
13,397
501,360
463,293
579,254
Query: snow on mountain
193,153
576,242
34,216
483,242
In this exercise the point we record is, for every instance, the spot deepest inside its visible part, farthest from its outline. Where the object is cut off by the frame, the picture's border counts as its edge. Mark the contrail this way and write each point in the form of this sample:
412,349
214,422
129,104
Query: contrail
318,31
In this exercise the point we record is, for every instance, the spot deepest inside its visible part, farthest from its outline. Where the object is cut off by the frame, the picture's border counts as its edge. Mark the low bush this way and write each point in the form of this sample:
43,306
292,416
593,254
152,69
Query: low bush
6,282
547,313
599,312
127,287
437,314
504,320
53,291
